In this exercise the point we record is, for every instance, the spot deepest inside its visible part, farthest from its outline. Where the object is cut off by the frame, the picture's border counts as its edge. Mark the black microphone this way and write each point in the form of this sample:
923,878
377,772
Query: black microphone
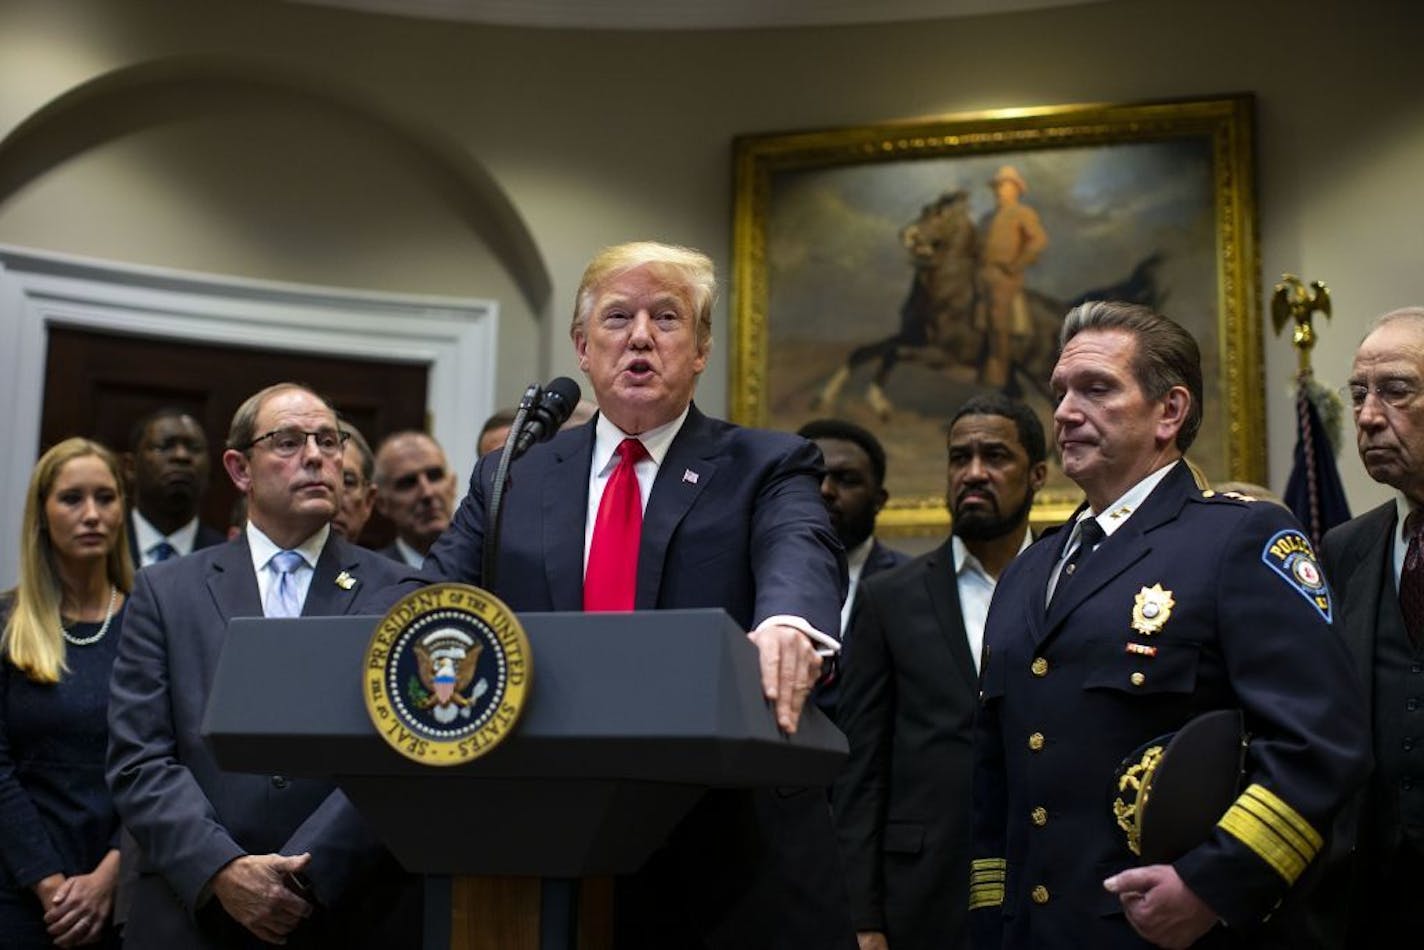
556,403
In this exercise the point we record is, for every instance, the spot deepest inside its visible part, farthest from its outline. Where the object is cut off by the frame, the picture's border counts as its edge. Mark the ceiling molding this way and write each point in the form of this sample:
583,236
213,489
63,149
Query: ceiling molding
687,14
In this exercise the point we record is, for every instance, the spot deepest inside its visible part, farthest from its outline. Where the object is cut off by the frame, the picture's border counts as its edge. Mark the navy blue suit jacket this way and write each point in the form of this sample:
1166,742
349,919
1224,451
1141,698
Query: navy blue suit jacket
189,816
735,520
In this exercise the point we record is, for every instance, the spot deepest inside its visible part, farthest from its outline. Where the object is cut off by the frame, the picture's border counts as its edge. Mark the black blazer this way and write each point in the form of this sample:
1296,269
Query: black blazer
902,804
1358,558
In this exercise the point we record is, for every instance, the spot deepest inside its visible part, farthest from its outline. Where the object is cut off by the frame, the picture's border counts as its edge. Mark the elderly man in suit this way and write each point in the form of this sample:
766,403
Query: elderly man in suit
1159,601
653,505
228,860
415,489
910,687
167,464
1375,564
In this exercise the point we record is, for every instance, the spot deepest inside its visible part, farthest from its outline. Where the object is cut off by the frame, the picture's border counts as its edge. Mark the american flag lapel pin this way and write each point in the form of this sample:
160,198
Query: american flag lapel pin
689,476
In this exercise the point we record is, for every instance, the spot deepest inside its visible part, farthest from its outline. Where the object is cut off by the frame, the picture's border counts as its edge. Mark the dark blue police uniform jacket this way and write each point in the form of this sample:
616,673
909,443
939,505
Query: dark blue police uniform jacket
1065,701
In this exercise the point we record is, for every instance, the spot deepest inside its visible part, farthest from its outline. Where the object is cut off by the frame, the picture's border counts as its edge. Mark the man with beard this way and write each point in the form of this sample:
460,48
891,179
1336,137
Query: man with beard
415,489
909,690
167,465
853,489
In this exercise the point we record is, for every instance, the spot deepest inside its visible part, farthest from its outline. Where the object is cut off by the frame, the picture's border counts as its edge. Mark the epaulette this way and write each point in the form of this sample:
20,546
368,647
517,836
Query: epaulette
1228,495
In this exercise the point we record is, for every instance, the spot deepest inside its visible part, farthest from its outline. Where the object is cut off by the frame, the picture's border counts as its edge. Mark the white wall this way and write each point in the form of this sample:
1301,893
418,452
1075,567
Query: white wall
603,137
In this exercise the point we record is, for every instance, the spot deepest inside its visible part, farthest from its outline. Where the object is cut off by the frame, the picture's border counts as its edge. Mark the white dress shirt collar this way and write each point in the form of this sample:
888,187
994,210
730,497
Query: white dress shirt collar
1115,515
146,536
410,555
607,437
262,548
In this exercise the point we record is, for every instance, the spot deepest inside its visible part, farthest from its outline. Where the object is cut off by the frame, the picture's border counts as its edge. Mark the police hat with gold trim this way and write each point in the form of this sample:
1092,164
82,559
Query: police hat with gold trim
1171,792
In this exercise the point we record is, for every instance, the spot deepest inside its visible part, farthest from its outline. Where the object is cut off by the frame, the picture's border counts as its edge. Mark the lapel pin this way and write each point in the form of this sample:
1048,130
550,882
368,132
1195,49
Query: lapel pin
345,581
1141,649
689,476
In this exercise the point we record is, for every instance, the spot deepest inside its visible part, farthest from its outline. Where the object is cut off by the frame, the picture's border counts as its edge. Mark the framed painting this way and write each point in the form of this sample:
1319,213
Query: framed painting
885,274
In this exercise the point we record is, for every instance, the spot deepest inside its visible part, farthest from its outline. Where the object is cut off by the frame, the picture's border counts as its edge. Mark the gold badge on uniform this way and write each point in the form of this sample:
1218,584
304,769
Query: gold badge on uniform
1151,608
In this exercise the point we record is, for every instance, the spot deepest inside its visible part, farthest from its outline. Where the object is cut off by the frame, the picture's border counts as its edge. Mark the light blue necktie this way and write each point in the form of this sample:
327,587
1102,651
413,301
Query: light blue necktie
282,597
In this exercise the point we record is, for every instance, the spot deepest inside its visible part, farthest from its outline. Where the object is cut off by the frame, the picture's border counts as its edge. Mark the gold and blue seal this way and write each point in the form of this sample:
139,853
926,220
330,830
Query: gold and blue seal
446,674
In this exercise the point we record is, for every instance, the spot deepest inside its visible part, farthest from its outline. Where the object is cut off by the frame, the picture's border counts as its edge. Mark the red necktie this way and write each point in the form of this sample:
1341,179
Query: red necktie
1411,578
611,581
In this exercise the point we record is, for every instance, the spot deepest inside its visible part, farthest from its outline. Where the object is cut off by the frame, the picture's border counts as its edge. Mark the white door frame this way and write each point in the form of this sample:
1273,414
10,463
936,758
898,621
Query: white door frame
454,337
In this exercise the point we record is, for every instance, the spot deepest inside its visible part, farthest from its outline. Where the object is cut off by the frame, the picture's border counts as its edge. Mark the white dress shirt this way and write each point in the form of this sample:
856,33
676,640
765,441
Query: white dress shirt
976,590
147,537
264,548
855,566
410,555
1109,519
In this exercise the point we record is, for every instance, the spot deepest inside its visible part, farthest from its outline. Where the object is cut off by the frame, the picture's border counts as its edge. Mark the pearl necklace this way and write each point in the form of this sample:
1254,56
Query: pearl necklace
108,616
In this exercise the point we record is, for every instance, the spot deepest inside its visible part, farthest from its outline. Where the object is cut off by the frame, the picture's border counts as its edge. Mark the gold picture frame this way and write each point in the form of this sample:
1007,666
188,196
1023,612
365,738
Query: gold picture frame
834,231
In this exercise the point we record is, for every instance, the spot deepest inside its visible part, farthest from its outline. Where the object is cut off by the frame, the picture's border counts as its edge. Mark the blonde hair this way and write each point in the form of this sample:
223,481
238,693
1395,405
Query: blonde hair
32,640
692,269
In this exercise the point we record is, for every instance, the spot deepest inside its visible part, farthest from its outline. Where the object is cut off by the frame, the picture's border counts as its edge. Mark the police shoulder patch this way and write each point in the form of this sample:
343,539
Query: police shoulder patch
446,674
1290,555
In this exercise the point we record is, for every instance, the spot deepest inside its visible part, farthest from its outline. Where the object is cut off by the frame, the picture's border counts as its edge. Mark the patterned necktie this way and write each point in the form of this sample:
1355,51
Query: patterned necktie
1090,534
611,581
1411,578
162,551
282,597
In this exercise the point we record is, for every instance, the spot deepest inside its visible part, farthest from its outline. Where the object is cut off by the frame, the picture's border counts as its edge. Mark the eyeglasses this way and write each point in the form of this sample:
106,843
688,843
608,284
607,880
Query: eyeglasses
1396,393
288,442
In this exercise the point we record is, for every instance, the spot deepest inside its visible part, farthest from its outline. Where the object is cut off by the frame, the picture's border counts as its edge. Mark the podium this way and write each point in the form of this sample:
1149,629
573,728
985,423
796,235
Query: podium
630,719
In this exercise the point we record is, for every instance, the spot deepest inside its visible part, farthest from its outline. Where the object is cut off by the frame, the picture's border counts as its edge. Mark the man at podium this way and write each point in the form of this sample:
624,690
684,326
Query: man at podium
652,505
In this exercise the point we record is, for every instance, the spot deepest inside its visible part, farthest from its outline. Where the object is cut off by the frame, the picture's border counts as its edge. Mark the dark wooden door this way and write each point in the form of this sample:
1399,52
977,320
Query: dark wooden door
97,385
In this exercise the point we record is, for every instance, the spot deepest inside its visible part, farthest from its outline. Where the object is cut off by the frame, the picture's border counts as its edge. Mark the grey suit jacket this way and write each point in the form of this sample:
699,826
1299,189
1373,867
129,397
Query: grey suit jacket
189,816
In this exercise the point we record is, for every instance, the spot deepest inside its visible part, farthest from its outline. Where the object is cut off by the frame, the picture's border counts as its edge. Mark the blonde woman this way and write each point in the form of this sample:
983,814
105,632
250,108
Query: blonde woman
58,830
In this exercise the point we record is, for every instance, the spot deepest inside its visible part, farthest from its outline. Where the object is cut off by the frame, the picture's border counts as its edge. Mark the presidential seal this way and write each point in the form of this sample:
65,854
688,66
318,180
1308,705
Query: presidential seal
446,674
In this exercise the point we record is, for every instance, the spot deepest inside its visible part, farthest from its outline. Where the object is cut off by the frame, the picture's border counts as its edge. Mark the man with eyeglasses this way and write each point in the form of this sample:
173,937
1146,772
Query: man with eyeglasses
227,857
415,489
167,465
1376,567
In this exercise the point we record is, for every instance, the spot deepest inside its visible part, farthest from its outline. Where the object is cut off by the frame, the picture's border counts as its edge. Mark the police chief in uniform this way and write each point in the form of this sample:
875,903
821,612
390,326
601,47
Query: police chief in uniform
1158,601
